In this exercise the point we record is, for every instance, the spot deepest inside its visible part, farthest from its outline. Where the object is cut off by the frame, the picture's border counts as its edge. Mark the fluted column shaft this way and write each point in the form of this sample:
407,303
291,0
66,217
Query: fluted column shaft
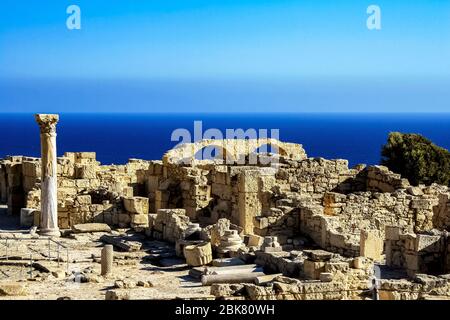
49,194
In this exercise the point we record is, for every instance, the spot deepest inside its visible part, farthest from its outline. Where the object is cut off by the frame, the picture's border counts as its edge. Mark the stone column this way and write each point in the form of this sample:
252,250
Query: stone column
49,196
107,260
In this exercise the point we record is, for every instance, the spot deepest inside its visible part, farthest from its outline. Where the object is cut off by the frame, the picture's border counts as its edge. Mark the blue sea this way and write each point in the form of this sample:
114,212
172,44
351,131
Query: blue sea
118,137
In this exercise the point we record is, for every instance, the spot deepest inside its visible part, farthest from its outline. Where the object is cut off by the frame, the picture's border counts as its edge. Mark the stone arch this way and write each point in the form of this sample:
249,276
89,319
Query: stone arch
224,154
273,143
233,150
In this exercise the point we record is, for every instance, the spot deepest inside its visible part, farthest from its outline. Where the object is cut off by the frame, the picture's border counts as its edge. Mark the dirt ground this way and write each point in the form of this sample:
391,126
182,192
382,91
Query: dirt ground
154,272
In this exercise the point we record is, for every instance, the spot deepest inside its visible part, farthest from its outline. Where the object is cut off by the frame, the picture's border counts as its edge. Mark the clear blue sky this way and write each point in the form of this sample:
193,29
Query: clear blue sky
272,55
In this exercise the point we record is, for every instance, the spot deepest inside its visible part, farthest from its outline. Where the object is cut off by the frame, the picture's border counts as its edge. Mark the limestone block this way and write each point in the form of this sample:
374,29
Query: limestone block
140,219
137,205
82,183
83,200
66,183
124,218
427,243
371,244
319,255
27,217
65,168
313,269
62,213
117,295
415,191
412,262
151,219
31,168
86,171
261,222
13,289
218,231
220,178
70,156
249,208
91,227
334,267
421,204
392,233
255,241
162,196
230,242
152,183
337,240
326,277
108,218
409,241
36,218
198,254
359,263
63,223
270,244
127,192
249,181
86,155
222,191
202,190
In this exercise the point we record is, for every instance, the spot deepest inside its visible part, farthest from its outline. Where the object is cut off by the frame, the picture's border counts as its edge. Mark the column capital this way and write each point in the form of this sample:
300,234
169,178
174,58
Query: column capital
47,122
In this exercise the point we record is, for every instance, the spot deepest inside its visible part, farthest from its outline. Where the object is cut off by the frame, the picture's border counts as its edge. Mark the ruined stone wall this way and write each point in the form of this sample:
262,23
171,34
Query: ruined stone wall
380,179
337,225
422,287
326,231
323,199
11,185
87,191
376,210
339,280
169,224
314,176
418,253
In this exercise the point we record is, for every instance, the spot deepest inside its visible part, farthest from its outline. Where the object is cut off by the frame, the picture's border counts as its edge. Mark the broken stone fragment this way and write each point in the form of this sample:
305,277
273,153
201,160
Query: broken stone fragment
319,255
137,205
145,284
255,241
117,295
271,244
226,290
125,284
326,277
198,254
12,289
230,242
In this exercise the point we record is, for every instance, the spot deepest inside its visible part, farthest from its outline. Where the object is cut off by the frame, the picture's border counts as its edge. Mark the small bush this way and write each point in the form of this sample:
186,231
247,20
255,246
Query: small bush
417,159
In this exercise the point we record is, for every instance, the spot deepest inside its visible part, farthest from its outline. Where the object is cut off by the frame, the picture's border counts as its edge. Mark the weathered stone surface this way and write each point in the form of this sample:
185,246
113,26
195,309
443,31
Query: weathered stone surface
227,262
137,205
12,289
371,245
91,227
117,295
198,254
326,277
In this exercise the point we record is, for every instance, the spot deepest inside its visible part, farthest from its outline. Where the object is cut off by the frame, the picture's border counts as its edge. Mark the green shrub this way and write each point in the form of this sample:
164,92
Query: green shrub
417,159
